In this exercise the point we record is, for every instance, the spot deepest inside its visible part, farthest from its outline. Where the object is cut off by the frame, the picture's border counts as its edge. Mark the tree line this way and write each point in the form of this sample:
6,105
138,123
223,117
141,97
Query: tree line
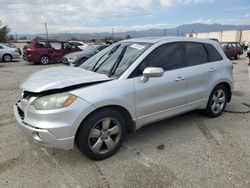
4,31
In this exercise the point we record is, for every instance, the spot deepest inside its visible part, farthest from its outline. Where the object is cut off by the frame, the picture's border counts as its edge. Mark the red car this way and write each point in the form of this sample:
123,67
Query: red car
232,49
44,52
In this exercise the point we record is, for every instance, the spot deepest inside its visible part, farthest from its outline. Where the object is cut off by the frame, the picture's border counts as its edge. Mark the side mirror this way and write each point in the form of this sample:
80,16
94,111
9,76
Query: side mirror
152,72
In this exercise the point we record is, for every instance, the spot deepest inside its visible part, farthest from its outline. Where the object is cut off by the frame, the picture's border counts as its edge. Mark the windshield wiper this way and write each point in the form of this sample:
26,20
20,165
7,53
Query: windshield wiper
109,54
117,62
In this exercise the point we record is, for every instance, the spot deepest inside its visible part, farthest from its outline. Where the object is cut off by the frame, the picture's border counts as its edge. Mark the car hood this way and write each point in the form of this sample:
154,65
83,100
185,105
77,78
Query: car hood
59,78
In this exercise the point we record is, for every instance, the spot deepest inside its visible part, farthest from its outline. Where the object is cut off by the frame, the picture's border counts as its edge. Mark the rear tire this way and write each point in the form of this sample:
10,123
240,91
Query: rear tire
101,134
44,60
7,58
237,56
217,101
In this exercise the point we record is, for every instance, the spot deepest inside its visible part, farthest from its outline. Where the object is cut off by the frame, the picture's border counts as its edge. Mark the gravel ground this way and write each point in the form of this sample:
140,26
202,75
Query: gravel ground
190,150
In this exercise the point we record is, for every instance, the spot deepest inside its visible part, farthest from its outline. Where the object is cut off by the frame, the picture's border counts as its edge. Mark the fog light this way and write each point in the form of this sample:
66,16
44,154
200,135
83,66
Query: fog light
36,136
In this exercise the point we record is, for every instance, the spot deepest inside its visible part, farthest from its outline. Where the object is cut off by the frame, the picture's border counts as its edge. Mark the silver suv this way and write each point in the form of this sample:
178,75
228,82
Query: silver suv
124,87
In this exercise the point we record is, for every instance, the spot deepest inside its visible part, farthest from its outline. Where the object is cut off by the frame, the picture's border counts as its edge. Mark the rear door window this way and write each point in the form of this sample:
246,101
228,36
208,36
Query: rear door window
56,45
195,53
213,54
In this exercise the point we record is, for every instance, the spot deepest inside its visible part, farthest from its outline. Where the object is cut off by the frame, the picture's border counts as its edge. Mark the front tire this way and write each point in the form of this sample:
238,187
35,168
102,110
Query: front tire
101,134
7,58
217,101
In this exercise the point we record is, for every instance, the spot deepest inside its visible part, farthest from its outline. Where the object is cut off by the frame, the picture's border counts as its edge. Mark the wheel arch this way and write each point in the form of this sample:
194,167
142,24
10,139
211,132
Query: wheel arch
131,126
5,55
228,87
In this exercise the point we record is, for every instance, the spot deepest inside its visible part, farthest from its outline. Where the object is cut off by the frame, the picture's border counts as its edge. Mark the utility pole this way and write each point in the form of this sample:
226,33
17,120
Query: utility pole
46,30
16,35
112,35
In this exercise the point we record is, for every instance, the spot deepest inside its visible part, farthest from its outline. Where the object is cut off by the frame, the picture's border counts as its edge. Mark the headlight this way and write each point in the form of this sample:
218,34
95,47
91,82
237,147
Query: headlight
72,58
54,101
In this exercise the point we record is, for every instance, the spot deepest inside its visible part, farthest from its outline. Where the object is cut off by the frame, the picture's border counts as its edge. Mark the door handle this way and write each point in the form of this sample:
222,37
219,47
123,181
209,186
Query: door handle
179,79
212,69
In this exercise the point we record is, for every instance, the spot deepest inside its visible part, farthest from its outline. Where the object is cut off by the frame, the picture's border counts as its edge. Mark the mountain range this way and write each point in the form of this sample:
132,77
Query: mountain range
180,30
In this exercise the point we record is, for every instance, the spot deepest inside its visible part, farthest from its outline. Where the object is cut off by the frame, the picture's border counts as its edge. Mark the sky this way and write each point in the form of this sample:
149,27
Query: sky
83,16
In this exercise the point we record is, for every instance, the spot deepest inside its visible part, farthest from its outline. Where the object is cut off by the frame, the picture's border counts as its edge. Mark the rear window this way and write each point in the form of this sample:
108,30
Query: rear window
238,44
40,45
195,54
213,54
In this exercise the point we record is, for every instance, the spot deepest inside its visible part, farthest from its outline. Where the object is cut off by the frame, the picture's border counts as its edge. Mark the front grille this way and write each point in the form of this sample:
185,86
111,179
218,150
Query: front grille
20,112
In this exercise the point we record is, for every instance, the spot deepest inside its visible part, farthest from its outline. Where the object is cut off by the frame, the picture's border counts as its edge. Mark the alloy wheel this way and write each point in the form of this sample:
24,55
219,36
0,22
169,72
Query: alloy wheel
7,58
44,60
218,101
104,136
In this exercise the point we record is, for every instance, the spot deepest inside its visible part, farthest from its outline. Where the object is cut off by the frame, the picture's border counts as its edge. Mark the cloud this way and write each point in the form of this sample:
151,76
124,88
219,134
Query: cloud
29,16
233,21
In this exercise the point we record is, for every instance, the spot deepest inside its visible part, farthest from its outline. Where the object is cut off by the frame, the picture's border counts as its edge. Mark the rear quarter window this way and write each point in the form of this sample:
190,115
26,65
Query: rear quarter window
40,45
195,53
213,54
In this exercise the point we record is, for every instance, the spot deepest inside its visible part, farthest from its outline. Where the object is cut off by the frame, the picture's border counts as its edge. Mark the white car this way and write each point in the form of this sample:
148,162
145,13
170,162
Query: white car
7,53
79,44
124,87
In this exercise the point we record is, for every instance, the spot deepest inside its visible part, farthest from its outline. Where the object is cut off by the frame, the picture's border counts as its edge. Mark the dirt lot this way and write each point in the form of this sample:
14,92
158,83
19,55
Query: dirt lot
186,151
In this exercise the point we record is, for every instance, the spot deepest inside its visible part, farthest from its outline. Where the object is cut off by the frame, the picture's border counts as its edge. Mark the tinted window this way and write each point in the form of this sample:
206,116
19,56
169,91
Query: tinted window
40,45
195,54
68,46
238,45
1,47
234,45
229,46
213,54
76,43
167,56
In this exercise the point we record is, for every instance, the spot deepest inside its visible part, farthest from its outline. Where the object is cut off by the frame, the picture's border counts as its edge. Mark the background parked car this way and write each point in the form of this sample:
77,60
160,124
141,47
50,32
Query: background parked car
8,53
44,52
232,49
79,44
14,46
78,58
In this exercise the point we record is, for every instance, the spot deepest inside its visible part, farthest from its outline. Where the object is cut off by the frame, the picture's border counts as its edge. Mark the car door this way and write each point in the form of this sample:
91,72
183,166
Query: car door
55,51
158,98
201,72
68,48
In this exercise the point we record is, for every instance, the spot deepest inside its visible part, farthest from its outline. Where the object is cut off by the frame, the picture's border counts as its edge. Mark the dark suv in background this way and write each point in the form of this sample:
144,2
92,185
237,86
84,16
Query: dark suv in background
44,52
232,49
